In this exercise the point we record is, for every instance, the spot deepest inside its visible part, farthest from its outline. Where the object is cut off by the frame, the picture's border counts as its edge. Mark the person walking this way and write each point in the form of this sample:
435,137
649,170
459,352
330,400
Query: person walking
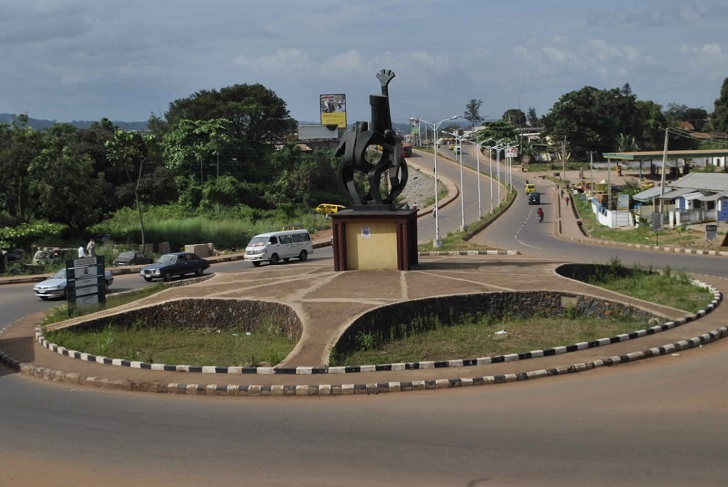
540,215
91,248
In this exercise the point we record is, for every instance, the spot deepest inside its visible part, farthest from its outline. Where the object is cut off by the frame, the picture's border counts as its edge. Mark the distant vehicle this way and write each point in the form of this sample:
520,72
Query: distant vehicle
530,188
276,246
175,264
457,149
406,150
327,208
131,257
55,285
451,146
534,198
52,256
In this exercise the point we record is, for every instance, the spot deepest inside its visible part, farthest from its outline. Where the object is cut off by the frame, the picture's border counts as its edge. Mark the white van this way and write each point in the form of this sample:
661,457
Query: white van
276,246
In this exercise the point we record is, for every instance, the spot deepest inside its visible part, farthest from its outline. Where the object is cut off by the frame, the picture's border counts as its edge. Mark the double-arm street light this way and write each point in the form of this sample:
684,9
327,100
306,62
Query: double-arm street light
437,243
459,147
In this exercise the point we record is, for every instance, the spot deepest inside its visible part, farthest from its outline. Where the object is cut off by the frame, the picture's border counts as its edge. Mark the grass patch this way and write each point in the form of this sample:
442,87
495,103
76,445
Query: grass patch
679,236
428,339
60,313
476,337
668,288
168,344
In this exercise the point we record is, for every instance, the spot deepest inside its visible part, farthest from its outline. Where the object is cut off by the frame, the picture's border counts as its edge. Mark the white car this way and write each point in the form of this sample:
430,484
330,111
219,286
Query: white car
55,286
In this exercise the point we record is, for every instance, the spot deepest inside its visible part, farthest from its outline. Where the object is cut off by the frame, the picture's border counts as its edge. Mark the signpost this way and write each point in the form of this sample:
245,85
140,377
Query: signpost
86,285
657,225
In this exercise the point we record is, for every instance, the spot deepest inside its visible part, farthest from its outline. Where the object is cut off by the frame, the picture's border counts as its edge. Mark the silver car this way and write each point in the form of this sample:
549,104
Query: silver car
55,286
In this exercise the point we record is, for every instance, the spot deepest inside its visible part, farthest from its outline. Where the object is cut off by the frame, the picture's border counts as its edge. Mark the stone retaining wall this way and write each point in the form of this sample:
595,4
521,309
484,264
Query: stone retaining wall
209,314
450,310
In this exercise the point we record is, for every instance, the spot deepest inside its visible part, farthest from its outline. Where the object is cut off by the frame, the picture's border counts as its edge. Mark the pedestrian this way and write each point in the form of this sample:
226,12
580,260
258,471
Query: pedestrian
81,252
567,201
91,248
540,215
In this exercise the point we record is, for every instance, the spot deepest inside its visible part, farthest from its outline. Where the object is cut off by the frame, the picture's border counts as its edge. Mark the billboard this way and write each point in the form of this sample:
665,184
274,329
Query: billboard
333,110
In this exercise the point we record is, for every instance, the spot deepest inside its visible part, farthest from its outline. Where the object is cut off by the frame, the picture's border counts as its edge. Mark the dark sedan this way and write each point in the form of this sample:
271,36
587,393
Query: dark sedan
175,264
131,257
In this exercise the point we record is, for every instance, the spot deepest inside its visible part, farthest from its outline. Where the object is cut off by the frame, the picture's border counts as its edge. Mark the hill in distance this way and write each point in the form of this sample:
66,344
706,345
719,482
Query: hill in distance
39,124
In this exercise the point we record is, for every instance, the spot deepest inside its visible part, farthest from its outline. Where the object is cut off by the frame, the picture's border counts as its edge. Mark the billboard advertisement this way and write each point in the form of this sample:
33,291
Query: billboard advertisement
333,110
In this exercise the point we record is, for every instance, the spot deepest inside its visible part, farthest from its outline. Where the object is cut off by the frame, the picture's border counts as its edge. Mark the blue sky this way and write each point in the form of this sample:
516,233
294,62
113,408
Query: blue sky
86,59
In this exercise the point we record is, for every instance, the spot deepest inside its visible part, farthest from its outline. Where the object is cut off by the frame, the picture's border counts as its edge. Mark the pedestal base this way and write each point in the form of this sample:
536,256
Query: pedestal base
375,240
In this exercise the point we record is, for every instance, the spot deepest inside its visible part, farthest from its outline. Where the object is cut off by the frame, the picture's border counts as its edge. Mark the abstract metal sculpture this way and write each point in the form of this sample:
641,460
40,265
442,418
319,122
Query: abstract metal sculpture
374,149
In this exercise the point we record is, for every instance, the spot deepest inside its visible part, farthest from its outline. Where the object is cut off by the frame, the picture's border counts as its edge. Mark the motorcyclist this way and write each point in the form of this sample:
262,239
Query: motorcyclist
540,215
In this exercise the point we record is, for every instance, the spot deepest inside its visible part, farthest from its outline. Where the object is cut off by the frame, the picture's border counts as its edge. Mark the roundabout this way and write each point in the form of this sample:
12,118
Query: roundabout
326,307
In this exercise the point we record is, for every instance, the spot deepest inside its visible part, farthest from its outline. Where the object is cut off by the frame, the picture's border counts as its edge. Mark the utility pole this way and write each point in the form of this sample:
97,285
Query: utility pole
563,160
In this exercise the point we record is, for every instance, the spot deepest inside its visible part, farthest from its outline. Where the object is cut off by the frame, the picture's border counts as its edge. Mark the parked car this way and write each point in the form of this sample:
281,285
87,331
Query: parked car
327,208
175,264
55,285
131,257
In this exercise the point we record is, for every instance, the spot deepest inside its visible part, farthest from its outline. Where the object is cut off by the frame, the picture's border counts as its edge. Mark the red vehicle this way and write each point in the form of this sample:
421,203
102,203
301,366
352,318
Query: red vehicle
406,150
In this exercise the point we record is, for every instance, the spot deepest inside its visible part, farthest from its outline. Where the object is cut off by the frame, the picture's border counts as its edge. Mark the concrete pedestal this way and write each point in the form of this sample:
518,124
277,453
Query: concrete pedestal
375,239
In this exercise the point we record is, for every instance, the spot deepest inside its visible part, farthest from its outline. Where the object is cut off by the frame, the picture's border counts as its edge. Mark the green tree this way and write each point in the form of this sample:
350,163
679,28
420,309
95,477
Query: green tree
697,117
591,119
496,131
719,119
129,151
68,187
532,119
192,145
19,145
472,111
515,117
653,123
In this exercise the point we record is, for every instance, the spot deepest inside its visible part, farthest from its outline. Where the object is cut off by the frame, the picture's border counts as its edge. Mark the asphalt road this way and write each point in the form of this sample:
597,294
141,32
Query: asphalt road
658,422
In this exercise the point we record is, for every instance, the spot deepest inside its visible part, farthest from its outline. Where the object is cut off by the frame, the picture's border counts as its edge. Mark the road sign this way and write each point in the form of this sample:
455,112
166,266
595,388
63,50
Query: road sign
656,222
86,285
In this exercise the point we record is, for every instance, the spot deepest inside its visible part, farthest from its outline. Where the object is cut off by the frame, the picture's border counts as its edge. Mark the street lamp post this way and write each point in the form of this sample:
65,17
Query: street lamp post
490,174
437,243
478,147
460,139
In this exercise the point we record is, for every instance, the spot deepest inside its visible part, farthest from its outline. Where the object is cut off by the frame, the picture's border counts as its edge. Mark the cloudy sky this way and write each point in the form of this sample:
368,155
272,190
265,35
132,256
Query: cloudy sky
70,60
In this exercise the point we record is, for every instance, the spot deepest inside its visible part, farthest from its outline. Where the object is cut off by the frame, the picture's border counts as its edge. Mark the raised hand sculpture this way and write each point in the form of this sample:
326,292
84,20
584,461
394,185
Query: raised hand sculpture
375,150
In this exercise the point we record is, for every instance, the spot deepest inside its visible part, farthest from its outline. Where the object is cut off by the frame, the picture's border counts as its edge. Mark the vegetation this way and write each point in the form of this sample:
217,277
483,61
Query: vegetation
476,336
168,344
669,288
230,150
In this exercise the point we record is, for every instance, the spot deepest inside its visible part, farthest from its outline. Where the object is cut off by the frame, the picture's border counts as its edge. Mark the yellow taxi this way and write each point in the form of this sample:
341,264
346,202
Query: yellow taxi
530,188
327,208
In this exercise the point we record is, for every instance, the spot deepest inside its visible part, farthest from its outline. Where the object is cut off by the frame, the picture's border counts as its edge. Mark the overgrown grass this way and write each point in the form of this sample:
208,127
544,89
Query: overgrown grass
476,337
60,312
668,288
227,228
168,344
428,339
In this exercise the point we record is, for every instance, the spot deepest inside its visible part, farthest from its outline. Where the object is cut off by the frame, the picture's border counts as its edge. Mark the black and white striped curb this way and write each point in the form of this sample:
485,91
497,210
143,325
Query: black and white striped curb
468,252
352,389
424,365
